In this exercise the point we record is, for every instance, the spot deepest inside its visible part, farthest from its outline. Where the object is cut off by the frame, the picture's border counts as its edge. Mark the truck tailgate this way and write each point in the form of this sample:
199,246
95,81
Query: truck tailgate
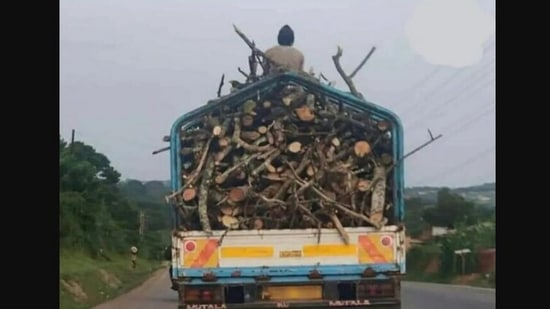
286,248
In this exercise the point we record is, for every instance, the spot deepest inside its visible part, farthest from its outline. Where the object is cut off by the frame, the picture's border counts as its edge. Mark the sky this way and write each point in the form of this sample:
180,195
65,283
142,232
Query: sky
130,68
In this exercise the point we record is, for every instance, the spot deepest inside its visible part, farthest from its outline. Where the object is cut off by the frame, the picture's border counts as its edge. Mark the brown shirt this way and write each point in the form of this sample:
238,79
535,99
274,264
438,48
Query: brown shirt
287,57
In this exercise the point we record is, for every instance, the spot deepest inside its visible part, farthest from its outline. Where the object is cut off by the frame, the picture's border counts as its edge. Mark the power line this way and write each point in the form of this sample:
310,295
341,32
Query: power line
471,121
447,81
417,85
474,78
445,103
466,81
467,162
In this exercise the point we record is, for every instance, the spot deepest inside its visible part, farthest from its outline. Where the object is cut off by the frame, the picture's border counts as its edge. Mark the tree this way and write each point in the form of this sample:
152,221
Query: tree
414,220
450,209
89,199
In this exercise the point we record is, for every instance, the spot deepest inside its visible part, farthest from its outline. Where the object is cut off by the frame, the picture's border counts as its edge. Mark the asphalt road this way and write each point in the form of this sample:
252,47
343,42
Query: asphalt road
156,294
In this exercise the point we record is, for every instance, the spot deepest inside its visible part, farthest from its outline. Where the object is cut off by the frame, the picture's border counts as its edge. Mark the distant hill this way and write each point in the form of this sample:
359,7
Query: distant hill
481,194
148,196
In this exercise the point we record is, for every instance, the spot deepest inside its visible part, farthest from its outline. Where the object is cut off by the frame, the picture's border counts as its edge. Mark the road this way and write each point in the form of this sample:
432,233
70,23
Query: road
156,294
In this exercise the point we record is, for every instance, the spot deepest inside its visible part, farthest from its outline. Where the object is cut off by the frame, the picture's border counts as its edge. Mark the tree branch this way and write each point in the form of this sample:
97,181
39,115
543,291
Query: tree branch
221,86
349,78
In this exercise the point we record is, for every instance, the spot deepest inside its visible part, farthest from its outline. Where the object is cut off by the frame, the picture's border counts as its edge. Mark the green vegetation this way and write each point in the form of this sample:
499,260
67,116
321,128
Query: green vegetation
100,219
85,281
483,195
474,229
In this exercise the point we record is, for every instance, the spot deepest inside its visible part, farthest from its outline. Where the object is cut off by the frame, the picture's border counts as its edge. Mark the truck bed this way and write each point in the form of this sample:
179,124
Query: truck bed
284,253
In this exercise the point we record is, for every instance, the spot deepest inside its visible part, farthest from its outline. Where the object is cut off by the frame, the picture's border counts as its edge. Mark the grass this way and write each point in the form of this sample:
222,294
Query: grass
99,279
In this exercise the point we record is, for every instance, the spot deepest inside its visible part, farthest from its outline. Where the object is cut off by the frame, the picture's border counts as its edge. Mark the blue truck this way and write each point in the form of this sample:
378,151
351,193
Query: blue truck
289,268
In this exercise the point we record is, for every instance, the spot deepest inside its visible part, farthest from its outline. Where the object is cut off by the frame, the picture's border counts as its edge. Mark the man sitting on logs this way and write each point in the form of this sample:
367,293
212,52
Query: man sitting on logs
284,56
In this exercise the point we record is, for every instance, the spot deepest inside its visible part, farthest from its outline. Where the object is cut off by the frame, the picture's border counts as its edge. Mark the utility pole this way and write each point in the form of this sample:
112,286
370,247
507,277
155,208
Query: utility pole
72,136
141,223
462,254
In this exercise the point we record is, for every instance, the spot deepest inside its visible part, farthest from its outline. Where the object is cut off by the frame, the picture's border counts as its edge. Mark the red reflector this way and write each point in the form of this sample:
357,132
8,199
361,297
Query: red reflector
386,241
206,295
190,246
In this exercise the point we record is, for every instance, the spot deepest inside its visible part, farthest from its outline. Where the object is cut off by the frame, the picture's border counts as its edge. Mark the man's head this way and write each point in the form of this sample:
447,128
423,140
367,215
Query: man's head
286,36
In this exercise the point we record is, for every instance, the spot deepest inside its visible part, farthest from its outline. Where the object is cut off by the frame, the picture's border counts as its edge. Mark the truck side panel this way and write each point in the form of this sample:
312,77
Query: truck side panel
195,253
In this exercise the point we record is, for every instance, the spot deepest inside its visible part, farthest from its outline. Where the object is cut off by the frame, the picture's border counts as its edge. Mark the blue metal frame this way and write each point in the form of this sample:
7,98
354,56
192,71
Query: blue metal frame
252,91
284,274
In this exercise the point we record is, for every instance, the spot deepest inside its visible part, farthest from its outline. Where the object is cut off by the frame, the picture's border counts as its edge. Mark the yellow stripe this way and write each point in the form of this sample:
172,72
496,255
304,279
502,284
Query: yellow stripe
247,252
329,250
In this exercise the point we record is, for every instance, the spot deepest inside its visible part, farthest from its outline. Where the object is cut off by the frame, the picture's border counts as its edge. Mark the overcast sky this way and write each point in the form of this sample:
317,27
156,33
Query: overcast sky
129,68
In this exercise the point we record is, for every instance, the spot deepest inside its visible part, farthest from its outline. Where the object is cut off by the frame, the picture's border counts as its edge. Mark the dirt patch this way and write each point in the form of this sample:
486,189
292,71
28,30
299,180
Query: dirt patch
110,279
466,279
75,289
433,266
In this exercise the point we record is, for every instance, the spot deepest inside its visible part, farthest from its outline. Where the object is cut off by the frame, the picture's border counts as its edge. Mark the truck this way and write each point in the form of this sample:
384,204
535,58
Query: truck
290,268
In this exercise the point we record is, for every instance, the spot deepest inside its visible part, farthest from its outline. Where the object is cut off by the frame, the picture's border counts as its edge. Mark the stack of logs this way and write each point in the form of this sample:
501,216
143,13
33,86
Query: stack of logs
292,159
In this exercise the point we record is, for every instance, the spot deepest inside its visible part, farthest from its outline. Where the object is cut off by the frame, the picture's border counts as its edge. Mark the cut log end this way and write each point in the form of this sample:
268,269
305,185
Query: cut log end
310,170
189,194
223,142
363,185
295,147
258,224
230,222
270,168
247,120
361,149
237,195
305,114
287,100
262,130
229,210
219,179
217,131
383,126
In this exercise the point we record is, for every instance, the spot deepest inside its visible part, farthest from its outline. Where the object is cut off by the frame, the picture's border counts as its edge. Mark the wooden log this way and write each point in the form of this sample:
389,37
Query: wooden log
262,130
305,114
189,194
230,222
250,136
247,120
203,195
361,149
223,142
294,147
340,228
378,194
363,185
238,194
276,160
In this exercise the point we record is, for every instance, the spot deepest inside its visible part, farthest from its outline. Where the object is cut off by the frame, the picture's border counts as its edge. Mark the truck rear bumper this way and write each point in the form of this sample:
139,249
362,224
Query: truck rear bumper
344,304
